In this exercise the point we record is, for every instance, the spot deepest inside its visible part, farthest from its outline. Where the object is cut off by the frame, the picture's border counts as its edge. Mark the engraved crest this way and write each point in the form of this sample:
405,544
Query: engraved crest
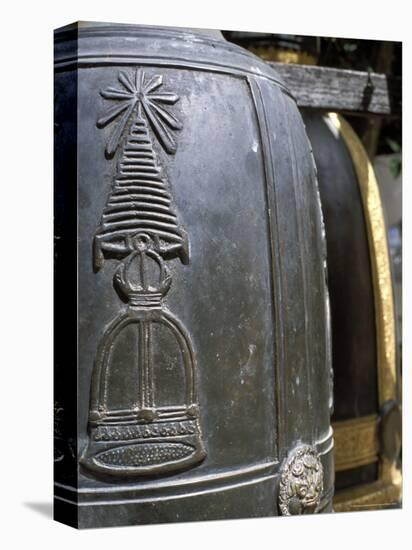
144,416
301,482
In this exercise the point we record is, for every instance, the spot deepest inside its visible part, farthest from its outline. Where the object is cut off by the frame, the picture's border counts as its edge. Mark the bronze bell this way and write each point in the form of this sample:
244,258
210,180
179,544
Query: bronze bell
194,364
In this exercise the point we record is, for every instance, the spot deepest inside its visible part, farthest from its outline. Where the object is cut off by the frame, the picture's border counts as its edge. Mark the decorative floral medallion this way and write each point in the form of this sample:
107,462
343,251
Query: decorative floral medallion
301,482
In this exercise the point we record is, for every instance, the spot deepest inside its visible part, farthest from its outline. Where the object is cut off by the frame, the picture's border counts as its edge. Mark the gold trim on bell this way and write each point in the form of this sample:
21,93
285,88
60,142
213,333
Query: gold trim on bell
372,496
388,488
356,442
279,55
379,255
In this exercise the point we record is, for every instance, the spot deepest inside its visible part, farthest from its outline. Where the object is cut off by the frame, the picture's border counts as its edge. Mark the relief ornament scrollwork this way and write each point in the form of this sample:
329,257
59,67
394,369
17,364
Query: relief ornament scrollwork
301,482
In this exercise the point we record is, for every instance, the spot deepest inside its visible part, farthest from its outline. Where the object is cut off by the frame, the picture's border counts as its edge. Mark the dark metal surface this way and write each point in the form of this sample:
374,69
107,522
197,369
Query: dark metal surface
349,273
184,175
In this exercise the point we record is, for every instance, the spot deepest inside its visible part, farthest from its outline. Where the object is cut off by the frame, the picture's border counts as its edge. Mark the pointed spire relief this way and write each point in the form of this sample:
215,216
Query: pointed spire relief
140,201
140,94
136,406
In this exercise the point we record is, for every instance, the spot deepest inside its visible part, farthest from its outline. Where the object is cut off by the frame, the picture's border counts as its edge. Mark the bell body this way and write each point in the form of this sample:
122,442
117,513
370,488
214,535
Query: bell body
366,418
192,329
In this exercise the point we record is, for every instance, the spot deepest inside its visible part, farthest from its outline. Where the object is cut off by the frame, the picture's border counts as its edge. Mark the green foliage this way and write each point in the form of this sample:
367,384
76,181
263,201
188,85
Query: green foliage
395,164
394,145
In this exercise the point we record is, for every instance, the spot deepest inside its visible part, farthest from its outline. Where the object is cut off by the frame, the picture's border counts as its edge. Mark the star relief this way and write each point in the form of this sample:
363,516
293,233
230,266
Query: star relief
139,96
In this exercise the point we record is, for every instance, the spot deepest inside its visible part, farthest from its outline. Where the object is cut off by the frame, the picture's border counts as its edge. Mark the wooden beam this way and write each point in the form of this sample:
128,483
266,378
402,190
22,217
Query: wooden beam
345,91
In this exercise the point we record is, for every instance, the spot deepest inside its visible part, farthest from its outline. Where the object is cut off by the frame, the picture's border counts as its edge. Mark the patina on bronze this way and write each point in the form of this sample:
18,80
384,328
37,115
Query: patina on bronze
197,358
